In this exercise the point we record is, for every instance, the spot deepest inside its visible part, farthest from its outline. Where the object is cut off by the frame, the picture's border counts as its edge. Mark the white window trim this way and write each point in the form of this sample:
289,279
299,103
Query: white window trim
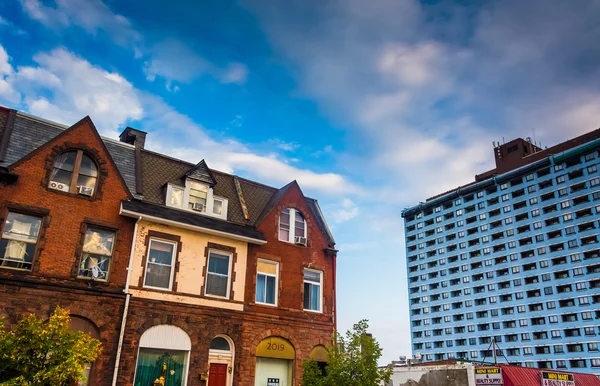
292,231
210,200
320,310
229,273
276,282
174,255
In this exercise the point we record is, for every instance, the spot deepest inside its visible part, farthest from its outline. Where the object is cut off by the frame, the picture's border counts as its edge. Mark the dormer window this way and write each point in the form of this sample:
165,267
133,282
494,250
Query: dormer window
74,172
198,198
292,226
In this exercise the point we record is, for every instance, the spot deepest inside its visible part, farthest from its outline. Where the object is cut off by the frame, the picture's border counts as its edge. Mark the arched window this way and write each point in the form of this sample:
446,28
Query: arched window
74,172
84,325
164,353
220,343
292,226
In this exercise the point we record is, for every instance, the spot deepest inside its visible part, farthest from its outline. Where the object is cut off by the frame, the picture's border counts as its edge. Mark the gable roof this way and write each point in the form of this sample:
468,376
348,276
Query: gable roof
30,133
248,201
201,173
86,120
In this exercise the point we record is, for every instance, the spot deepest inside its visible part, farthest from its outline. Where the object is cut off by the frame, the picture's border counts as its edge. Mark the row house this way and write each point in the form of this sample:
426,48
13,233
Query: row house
187,275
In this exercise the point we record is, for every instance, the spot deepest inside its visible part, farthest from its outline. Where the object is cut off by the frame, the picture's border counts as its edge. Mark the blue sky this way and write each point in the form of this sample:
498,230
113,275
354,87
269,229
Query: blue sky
372,106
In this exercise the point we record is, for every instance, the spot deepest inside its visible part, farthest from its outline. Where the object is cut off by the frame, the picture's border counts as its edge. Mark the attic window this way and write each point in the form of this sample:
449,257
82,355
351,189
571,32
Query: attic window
196,197
292,226
74,172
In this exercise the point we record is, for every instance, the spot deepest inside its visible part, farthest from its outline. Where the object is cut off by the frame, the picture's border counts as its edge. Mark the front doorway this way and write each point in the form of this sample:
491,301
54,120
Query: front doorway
274,362
218,374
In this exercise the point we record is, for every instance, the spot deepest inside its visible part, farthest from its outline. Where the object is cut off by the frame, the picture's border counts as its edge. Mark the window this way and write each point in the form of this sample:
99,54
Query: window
197,197
74,172
159,264
19,240
217,274
266,282
592,346
555,334
313,280
595,362
286,232
97,253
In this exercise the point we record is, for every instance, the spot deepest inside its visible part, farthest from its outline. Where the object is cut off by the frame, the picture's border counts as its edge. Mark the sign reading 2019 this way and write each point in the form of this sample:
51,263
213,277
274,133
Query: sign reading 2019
550,378
275,347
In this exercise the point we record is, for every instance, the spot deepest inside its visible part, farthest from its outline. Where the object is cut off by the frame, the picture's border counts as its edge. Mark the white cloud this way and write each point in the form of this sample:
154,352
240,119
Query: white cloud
346,211
7,91
287,146
173,60
91,15
65,88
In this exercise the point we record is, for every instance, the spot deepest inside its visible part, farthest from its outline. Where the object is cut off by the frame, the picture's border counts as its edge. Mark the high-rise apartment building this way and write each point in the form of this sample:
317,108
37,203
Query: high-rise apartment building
513,256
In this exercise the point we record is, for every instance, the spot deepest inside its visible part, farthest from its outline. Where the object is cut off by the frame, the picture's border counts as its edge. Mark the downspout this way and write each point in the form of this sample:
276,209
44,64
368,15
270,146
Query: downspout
335,291
126,309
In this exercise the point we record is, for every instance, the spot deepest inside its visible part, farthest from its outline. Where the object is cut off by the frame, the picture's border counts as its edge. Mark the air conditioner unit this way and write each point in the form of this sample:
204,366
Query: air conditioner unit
85,190
300,240
198,206
58,186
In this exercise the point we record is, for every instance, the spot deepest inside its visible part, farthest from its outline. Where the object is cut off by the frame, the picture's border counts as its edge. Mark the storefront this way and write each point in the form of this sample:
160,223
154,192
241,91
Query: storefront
274,362
163,357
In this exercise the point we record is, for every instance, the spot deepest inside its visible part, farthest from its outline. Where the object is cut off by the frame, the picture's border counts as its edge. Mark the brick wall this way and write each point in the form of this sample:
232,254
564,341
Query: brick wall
53,280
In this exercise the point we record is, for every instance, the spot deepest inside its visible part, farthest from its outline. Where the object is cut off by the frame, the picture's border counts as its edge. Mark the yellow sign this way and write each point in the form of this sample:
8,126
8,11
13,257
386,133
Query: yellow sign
487,370
319,354
275,347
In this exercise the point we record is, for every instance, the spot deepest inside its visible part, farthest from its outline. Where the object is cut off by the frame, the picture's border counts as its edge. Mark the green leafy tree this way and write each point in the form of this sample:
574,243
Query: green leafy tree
352,361
45,353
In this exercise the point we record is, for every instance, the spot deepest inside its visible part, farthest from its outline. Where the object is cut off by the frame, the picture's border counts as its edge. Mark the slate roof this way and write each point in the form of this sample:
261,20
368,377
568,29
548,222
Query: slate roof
157,170
190,218
29,133
202,173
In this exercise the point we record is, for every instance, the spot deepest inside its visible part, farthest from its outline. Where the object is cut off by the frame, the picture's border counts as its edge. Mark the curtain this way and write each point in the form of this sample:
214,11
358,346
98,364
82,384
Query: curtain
149,366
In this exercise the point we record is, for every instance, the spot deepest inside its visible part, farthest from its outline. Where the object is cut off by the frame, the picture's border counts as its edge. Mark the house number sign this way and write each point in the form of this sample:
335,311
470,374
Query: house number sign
272,381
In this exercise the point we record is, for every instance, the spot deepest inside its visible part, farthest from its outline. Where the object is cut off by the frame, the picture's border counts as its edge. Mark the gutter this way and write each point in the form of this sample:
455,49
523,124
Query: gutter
126,308
129,213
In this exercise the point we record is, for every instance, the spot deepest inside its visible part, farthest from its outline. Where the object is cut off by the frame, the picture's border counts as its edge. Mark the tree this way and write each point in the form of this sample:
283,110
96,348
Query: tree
45,353
352,361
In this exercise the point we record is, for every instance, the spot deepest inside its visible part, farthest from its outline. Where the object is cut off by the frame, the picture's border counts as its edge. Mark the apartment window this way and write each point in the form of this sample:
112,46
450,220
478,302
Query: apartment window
535,213
508,220
577,271
555,334
19,240
471,328
520,309
541,250
287,218
595,181
544,264
531,188
537,225
522,322
313,282
218,274
74,172
159,264
580,286
592,169
551,305
560,179
459,212
558,349
198,196
266,282
558,167
592,346
546,277
586,315
505,197
527,351
595,362
567,217
589,331
553,319
96,254
548,291
565,204
563,192
584,301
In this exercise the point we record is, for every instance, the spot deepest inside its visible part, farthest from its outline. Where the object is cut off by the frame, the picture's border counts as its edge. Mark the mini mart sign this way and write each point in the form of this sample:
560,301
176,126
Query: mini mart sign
551,378
488,376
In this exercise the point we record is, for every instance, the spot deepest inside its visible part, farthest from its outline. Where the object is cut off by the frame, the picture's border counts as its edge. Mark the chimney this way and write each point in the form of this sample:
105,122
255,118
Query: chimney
133,137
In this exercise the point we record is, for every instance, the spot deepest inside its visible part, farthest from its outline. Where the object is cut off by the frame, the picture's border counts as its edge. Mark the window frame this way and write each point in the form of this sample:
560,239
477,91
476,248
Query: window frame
321,294
210,199
229,274
89,226
276,276
75,173
292,226
173,262
42,227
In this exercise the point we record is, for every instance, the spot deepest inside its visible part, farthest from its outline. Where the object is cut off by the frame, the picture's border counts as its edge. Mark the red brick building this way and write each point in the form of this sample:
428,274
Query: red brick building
216,279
